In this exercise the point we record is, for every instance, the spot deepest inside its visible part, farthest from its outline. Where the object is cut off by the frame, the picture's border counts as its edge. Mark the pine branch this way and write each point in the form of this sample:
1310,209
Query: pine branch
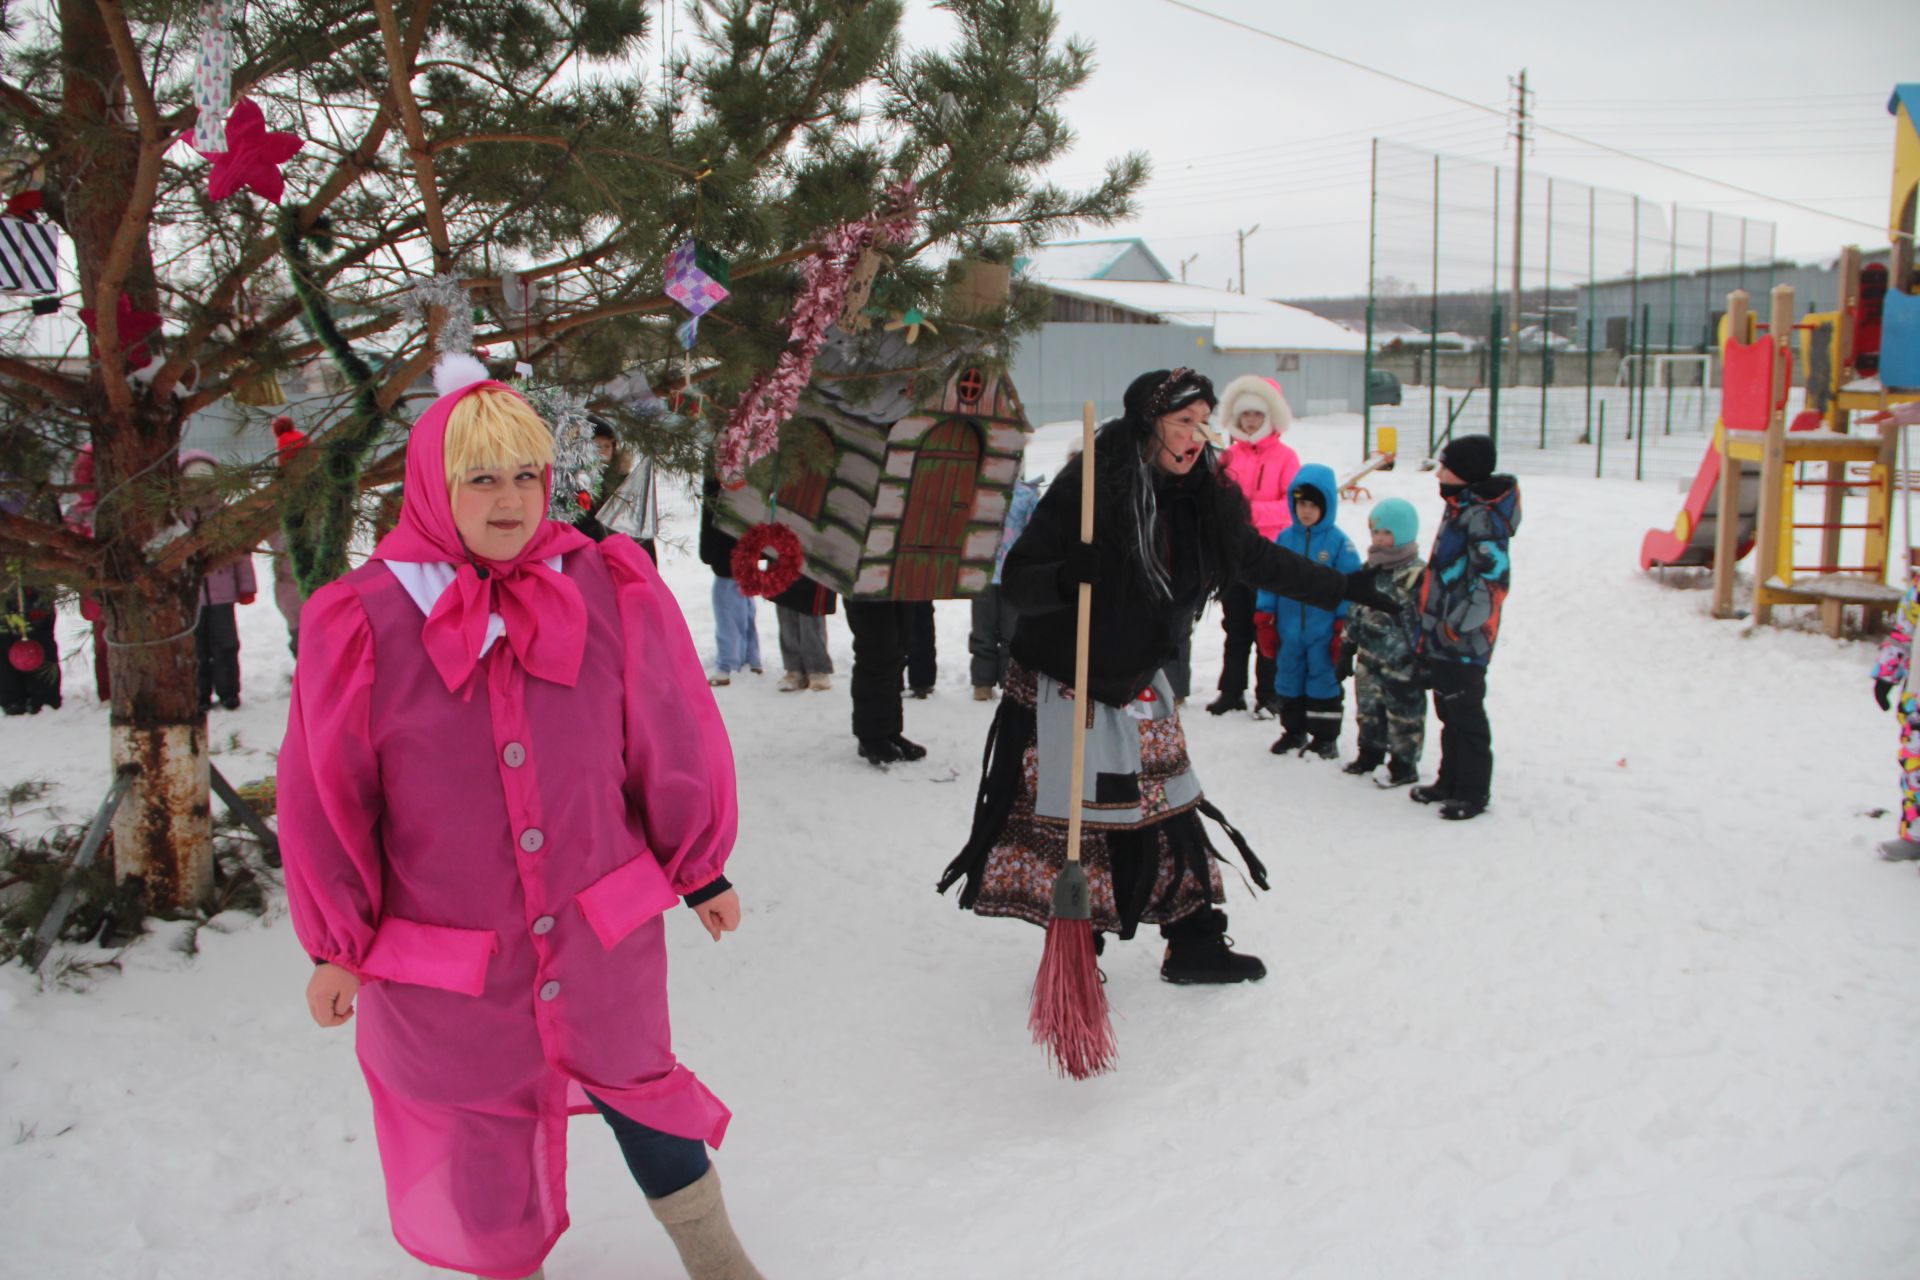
54,385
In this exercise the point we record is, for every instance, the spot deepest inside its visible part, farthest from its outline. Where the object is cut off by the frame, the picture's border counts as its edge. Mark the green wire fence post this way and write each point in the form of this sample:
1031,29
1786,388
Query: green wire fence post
1640,435
1600,441
1493,377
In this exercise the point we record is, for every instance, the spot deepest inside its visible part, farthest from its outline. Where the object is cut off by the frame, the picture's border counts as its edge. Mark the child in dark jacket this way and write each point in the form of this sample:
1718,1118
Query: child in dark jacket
1466,585
1391,707
1304,640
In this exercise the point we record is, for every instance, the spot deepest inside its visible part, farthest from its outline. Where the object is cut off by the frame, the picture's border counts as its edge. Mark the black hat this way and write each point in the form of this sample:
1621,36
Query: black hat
1163,391
1469,457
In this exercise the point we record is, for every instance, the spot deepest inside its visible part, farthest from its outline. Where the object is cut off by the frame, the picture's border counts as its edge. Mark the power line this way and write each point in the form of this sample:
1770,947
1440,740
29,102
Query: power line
1538,127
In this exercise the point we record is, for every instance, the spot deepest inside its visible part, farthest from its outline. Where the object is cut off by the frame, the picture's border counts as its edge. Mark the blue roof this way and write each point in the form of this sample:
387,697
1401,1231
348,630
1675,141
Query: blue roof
1908,96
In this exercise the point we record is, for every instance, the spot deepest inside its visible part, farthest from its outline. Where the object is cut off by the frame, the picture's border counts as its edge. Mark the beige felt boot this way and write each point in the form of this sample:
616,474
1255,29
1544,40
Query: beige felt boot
696,1220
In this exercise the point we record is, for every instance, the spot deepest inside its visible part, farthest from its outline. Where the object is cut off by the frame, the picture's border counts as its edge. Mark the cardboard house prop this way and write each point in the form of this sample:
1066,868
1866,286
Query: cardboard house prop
913,504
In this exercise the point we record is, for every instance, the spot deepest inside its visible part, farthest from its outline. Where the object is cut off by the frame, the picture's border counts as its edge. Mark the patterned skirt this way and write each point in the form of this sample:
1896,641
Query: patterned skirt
1158,868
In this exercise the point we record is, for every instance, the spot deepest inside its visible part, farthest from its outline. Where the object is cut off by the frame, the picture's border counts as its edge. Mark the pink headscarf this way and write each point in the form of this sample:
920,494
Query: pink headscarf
545,615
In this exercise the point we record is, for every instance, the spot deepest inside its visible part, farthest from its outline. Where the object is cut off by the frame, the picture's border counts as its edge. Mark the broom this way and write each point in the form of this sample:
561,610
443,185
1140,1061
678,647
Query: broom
1070,1015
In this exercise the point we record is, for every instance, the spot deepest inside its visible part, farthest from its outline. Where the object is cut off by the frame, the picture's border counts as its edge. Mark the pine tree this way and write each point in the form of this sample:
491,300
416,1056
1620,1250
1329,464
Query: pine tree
461,138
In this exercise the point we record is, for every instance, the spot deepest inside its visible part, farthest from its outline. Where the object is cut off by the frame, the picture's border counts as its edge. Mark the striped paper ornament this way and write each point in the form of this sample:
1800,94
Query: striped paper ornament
213,78
29,257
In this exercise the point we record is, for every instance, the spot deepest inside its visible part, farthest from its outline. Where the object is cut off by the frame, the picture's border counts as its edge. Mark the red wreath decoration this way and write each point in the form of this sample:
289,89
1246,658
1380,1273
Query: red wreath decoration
751,568
26,655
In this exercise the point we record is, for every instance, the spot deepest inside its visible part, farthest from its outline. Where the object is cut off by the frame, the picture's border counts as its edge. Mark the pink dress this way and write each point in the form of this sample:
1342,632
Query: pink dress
493,860
1265,472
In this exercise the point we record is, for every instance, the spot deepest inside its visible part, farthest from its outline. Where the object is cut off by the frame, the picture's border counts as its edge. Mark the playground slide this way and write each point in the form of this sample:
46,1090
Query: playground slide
1689,543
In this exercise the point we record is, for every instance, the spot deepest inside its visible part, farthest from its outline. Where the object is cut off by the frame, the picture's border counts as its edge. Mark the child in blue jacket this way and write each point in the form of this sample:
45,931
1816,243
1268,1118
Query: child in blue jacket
1305,641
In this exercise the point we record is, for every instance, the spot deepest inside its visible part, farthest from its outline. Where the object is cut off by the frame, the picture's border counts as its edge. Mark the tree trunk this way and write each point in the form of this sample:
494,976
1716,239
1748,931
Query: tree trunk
161,834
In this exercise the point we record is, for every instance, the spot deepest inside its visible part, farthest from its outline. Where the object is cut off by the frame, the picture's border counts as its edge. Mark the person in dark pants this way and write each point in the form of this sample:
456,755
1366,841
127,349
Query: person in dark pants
881,635
229,582
1466,585
1236,619
923,662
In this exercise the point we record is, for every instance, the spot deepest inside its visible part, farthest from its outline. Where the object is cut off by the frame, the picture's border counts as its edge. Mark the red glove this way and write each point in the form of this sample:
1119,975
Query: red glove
248,598
1266,635
1339,634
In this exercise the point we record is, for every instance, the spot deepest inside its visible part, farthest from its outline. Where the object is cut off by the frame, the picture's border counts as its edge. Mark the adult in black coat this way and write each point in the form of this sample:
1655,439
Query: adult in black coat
1170,532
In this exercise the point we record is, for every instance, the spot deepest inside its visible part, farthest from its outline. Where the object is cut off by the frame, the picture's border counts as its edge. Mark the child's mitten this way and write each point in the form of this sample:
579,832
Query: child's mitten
1266,635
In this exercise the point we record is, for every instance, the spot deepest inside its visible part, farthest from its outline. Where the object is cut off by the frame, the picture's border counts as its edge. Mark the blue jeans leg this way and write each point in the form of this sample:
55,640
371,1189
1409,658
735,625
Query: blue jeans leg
660,1162
736,639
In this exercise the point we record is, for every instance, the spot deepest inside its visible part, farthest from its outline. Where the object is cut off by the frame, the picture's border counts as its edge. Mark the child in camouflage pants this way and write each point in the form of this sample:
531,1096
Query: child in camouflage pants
1392,707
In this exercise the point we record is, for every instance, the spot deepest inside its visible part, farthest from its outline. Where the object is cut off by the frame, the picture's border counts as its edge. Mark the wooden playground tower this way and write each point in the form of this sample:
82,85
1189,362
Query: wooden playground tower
1754,437
1864,356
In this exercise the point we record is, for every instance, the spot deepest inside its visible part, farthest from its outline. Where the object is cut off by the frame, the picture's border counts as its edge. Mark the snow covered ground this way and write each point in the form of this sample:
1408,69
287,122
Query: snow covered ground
1653,1016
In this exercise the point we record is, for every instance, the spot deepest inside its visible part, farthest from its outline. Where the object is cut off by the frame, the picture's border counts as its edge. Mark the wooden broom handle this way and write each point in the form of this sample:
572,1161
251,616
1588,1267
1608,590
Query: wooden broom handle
1083,702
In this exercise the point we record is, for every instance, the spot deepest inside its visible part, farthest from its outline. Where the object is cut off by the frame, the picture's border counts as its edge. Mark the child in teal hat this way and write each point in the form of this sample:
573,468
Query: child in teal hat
1391,705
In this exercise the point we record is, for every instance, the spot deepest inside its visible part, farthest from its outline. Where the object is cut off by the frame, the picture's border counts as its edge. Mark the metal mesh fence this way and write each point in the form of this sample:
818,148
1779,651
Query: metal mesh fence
1595,352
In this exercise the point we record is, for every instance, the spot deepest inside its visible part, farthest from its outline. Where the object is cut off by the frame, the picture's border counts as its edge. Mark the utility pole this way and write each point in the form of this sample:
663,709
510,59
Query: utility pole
1243,237
1519,213
1184,264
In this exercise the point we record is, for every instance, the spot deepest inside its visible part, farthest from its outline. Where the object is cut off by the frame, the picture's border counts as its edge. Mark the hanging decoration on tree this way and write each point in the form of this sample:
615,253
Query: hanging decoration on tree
853,314
456,324
134,325
24,654
912,320
767,560
29,253
697,277
577,468
753,430
213,76
251,158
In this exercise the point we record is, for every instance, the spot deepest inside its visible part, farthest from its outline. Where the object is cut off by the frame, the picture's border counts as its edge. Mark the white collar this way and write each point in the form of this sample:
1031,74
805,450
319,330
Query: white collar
425,580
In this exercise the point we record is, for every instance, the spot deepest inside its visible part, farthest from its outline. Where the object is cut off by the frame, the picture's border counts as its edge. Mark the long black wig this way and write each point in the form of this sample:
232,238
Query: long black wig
1128,446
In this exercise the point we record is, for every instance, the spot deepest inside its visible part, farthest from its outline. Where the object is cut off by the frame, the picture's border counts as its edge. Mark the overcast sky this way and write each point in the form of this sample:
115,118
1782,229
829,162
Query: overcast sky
1784,96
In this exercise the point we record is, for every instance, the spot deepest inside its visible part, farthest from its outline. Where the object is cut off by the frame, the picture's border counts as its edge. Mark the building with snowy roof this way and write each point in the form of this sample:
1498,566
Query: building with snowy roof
1116,311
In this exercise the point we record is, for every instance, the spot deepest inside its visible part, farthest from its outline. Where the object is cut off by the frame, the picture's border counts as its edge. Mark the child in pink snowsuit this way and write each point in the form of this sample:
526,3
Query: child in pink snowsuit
1254,414
502,767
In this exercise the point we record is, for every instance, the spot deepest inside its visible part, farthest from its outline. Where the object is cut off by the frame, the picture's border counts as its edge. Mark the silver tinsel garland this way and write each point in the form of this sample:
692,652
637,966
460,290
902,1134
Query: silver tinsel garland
577,467
456,330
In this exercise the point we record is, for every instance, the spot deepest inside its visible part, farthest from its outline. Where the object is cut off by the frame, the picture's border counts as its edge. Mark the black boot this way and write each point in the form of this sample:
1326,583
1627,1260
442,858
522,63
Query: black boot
1325,748
1399,774
880,751
1227,701
1366,762
1288,743
1199,951
908,749
1431,793
1462,810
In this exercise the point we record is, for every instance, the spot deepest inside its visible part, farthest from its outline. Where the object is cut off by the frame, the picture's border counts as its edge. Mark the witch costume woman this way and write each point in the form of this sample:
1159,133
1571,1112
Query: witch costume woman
1170,532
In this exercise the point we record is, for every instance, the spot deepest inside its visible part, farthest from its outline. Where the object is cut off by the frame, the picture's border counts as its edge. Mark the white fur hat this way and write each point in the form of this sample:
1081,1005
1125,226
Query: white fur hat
1249,391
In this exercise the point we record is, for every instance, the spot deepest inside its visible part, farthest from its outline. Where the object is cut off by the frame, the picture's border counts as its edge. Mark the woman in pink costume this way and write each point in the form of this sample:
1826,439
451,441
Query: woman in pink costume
1254,414
502,767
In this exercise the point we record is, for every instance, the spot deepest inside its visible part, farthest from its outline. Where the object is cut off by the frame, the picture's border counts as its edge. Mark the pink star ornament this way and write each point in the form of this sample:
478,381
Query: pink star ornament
253,156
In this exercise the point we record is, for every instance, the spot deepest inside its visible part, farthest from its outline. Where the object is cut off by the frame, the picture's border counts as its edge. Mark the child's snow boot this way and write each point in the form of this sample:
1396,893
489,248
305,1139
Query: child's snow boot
983,693
793,682
1366,762
1900,850
1199,951
820,683
1227,702
718,678
1430,793
1288,743
1462,810
908,749
1398,773
1325,748
696,1221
